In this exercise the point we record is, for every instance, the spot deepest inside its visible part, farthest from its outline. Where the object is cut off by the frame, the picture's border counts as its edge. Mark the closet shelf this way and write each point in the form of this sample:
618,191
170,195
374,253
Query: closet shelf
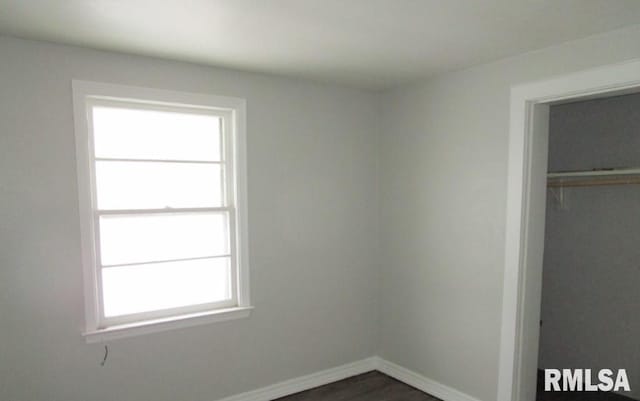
596,177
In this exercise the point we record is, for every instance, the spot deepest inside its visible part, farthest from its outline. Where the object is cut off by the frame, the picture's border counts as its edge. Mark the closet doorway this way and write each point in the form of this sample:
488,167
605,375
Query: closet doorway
530,112
590,309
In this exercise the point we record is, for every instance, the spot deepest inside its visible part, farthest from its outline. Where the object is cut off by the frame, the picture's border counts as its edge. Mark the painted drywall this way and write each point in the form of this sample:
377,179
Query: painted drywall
312,212
591,273
443,193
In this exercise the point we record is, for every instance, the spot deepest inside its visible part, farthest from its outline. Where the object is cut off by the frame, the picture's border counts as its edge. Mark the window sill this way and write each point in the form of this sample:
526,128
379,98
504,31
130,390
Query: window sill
165,324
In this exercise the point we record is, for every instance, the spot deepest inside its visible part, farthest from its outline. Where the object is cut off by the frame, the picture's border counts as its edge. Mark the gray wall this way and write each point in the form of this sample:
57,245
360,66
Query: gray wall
312,214
443,195
591,277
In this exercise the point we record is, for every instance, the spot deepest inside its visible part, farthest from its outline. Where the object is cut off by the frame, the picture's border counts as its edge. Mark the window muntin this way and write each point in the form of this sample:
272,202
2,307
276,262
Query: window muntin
162,179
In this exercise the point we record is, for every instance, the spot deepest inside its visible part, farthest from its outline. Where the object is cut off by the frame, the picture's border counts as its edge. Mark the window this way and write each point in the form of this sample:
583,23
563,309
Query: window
162,205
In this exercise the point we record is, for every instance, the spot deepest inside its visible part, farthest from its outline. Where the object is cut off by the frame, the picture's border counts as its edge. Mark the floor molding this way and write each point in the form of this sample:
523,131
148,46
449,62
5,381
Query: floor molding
420,382
307,382
323,377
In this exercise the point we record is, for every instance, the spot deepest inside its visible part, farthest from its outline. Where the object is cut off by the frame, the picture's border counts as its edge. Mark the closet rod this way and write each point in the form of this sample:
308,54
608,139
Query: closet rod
556,183
595,172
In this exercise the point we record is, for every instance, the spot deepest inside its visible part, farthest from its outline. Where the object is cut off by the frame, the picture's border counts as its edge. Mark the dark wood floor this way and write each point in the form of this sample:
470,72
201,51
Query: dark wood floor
375,386
372,386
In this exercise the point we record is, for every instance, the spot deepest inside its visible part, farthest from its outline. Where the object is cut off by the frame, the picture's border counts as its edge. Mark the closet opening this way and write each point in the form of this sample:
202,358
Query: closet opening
575,162
590,303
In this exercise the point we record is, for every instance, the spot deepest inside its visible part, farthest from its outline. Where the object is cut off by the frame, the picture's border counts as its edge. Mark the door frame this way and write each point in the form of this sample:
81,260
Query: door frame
611,79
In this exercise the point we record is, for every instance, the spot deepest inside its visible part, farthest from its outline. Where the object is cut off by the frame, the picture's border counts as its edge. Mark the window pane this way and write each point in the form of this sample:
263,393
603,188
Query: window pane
158,237
151,134
143,288
152,185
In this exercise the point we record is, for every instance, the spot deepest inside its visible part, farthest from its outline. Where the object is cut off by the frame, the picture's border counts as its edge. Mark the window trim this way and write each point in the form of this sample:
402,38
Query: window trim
233,113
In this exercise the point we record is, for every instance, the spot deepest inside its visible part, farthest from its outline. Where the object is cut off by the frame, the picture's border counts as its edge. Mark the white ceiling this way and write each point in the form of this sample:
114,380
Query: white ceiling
367,43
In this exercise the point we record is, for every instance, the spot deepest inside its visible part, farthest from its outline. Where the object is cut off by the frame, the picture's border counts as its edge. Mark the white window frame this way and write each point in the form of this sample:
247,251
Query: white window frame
232,112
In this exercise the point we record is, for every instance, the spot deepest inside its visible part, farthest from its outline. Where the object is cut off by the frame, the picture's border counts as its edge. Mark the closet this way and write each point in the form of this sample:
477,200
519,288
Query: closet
590,317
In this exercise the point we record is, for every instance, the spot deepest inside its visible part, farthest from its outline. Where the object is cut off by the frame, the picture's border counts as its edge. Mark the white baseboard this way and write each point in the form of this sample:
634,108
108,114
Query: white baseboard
307,382
323,377
420,382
